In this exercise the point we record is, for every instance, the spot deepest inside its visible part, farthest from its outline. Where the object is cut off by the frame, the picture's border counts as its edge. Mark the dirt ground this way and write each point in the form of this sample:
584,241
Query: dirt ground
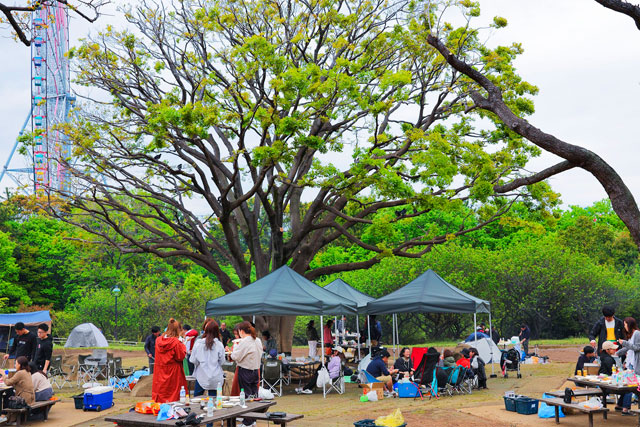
482,408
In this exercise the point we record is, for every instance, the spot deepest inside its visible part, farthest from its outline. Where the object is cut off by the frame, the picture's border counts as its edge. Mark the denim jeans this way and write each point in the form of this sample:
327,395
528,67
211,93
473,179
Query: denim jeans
624,400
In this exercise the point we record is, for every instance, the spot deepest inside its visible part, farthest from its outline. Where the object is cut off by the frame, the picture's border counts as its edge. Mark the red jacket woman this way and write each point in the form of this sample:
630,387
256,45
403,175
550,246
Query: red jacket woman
168,374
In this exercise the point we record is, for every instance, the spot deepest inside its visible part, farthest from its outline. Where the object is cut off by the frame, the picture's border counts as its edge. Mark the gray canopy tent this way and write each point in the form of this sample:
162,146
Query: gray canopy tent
361,299
429,293
283,292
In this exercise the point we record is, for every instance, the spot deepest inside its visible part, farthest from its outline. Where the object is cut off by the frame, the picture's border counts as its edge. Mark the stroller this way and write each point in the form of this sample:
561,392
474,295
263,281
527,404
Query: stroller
510,361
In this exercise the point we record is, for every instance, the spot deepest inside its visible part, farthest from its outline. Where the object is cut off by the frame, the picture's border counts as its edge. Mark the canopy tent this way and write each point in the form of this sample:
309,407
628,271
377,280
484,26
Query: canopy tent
86,335
428,293
344,289
282,292
31,321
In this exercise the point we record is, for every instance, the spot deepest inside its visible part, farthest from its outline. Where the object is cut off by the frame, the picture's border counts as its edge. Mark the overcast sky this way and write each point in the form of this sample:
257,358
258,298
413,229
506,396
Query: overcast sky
584,58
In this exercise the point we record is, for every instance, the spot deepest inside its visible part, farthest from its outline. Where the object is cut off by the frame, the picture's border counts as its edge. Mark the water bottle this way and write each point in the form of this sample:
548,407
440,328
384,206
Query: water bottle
210,407
219,397
243,402
183,395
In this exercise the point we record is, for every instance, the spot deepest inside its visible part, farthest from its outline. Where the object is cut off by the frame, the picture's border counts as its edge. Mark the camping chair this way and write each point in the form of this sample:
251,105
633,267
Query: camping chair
56,372
426,373
272,376
337,384
119,377
83,370
229,367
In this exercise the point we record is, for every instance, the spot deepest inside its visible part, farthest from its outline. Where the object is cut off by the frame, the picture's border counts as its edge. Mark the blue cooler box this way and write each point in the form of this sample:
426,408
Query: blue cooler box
406,389
98,398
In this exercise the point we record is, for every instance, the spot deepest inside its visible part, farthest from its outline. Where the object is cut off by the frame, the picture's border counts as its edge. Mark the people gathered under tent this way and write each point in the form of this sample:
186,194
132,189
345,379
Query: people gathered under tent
464,360
333,367
588,356
404,364
477,365
378,369
327,337
312,339
269,342
247,353
447,359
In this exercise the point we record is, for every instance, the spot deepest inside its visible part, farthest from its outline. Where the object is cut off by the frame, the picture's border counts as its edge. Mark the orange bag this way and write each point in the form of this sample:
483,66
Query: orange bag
148,407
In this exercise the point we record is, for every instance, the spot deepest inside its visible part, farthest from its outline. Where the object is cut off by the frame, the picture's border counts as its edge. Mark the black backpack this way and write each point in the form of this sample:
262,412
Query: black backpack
568,395
16,402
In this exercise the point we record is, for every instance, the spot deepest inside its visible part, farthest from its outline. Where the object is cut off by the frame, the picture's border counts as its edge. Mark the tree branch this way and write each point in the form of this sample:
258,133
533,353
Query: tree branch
626,8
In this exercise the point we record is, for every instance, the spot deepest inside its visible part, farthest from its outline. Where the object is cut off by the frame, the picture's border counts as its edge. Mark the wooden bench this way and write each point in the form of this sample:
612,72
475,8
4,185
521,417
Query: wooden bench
22,414
580,392
263,416
556,402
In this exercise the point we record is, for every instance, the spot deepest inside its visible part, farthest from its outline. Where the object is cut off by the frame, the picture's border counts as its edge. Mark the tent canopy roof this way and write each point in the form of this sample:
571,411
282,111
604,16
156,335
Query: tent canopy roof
29,319
428,293
344,289
283,292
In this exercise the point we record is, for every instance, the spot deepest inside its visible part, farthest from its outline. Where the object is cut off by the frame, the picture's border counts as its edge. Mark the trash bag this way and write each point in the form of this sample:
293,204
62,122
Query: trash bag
265,394
547,411
323,377
394,419
593,403
372,396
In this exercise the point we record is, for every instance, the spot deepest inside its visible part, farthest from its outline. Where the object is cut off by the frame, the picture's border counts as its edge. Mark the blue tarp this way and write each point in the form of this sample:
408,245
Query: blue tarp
472,336
26,318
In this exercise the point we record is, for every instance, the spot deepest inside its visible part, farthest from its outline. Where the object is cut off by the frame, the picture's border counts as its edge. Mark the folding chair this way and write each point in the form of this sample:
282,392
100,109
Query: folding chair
119,377
56,372
272,376
337,384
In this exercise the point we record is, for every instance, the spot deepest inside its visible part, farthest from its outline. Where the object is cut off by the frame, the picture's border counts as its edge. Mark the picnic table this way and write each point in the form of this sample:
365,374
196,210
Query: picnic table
580,392
557,402
134,419
5,392
606,388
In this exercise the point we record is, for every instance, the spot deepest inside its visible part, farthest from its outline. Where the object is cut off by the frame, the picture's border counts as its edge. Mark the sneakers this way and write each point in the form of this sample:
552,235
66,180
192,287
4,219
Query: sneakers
306,391
298,390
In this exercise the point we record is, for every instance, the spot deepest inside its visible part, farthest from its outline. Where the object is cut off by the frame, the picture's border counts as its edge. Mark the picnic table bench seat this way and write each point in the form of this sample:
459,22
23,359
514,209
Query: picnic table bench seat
557,402
24,412
581,392
264,416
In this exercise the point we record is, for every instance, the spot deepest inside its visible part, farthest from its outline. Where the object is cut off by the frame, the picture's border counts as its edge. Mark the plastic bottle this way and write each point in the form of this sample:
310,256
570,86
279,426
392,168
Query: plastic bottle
243,402
210,407
219,397
183,395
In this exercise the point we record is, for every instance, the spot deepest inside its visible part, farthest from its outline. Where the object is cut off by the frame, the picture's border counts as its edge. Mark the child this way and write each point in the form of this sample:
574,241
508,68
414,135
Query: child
588,356
477,364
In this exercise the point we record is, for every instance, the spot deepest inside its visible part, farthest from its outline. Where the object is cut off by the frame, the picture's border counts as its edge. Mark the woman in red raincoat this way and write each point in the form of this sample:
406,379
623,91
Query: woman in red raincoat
168,374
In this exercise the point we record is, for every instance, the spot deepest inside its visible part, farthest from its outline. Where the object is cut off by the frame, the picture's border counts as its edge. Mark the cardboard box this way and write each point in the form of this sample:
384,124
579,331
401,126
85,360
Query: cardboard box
592,368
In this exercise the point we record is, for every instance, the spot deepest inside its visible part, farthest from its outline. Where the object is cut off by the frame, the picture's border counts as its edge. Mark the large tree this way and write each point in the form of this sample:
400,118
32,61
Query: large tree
487,95
246,135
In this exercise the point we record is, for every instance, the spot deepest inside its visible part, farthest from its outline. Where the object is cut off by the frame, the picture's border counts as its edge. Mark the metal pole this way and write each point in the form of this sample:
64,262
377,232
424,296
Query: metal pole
115,332
393,334
358,332
369,334
322,349
491,347
475,330
397,332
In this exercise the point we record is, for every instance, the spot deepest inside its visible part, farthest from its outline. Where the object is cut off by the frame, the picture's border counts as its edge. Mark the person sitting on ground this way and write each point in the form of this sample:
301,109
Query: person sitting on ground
588,356
477,365
41,386
334,365
464,360
404,364
607,362
448,361
269,342
378,369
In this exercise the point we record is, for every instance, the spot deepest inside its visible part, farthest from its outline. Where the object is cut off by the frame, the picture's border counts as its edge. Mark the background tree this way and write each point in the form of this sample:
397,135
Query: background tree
17,16
290,126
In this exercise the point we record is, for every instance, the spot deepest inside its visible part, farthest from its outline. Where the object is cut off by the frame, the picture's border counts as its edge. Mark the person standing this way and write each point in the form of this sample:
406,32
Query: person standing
189,338
608,328
24,344
225,335
150,346
477,365
327,338
44,348
524,335
168,377
312,339
248,354
630,347
207,358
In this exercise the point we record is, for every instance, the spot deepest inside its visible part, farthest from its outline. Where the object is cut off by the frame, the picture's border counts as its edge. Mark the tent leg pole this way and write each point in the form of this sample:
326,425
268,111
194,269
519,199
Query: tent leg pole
358,332
475,330
397,333
322,349
493,375
395,337
369,333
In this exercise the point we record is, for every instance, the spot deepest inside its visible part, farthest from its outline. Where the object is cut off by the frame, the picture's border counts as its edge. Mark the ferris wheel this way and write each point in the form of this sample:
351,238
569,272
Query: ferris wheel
51,102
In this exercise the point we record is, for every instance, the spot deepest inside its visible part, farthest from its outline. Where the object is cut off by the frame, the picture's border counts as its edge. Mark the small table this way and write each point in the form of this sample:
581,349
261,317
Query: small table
606,388
134,419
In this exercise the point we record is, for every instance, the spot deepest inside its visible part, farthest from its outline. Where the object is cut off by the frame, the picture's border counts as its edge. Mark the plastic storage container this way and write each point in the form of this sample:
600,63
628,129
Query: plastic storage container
98,398
370,423
406,389
510,403
78,401
526,405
